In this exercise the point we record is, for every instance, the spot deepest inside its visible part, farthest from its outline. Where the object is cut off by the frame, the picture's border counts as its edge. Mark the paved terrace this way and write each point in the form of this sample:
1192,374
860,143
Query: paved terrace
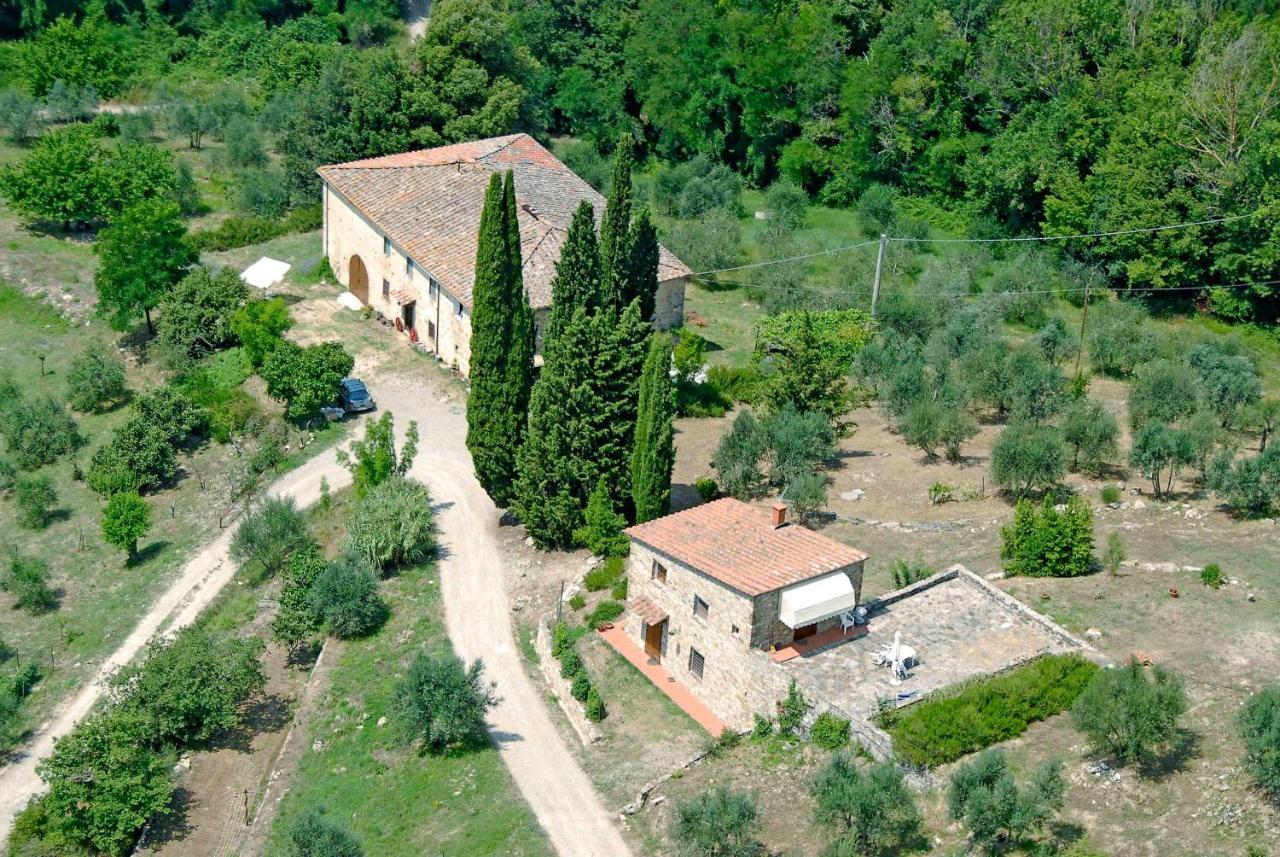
959,625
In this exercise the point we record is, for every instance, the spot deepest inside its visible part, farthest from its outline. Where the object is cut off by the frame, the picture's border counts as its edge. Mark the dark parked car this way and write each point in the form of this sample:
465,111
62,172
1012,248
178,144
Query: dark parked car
354,396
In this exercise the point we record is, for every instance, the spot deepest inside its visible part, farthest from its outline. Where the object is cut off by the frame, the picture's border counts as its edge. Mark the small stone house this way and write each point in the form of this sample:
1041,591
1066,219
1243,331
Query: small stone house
400,234
713,590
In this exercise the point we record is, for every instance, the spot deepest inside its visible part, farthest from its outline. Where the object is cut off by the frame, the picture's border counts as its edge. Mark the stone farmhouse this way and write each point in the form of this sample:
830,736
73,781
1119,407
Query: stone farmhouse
712,589
733,603
400,233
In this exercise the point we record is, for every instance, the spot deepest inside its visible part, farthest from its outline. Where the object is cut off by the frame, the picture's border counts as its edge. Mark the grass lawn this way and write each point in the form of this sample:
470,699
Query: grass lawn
400,802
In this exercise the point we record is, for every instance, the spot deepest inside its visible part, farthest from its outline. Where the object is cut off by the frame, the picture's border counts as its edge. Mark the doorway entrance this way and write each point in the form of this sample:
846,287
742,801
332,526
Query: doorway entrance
358,279
806,631
653,635
407,312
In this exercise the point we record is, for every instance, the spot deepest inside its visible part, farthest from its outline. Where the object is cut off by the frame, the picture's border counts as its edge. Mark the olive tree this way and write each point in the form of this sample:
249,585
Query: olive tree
1027,458
1130,714
271,532
871,812
443,702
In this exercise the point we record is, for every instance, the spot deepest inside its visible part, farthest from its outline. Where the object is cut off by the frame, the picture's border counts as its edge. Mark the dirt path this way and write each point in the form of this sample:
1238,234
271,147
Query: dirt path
416,15
478,618
201,579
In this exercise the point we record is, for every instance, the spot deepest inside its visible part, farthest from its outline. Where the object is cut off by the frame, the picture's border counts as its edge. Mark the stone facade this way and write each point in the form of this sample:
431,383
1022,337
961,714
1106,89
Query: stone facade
396,281
734,637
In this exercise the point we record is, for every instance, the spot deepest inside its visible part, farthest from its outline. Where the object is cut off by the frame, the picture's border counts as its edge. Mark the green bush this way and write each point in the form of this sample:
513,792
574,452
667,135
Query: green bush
940,492
27,580
605,575
38,432
1211,576
619,590
570,663
1129,714
829,731
393,525
907,572
1111,494
1043,542
242,230
595,706
442,702
578,601
761,727
700,400
315,834
581,686
561,640
792,711
1260,729
944,728
345,595
95,380
740,384
605,612
35,497
708,489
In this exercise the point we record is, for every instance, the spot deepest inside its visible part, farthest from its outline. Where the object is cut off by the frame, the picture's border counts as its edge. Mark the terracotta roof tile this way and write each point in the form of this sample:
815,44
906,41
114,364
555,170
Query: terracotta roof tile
651,613
429,203
737,544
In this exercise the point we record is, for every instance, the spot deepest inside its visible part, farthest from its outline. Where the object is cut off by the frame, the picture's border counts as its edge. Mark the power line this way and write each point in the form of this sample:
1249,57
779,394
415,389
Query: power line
962,295
1110,234
830,252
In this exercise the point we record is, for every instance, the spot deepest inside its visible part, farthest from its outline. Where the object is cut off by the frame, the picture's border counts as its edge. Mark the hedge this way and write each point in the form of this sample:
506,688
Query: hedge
242,230
984,712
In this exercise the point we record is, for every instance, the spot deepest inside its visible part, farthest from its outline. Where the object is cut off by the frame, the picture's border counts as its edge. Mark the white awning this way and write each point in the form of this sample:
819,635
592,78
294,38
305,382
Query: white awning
265,273
817,599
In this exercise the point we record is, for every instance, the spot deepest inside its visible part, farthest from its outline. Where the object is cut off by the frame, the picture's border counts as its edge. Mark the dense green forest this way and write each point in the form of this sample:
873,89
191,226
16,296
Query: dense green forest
1010,117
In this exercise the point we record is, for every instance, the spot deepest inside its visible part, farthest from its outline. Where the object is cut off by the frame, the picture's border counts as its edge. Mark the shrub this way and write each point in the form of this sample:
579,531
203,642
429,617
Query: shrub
581,686
694,399
829,731
393,526
605,612
143,450
1043,542
602,526
1113,554
1110,494
35,497
195,316
39,432
792,711
125,519
305,379
443,702
1251,486
940,492
345,596
737,457
1166,391
314,834
1211,576
604,575
1260,730
270,533
945,727
27,580
95,380
578,601
797,444
1128,714
561,640
374,459
595,706
619,590
717,823
1091,433
907,572
983,795
761,727
736,383
871,812
708,489
570,663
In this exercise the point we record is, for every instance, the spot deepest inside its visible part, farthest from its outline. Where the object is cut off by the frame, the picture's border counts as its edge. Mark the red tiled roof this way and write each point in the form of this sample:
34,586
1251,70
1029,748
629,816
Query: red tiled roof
428,202
651,613
737,544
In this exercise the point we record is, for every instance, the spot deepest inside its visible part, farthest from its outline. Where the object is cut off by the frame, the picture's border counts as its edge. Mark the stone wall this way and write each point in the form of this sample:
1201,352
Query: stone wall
668,309
587,731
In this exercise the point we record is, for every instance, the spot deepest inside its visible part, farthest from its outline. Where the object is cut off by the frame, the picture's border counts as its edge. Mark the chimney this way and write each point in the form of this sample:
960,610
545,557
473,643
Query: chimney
779,515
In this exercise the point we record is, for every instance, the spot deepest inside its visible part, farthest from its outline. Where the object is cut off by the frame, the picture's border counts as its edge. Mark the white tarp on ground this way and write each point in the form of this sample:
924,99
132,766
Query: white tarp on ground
265,273
350,301
817,599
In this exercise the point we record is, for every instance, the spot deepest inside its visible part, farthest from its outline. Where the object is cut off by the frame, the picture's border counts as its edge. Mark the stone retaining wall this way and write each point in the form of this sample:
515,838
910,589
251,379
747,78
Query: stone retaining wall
588,732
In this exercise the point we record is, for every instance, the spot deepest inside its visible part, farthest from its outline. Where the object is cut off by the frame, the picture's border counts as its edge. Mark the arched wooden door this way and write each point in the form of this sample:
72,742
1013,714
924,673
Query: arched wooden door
358,279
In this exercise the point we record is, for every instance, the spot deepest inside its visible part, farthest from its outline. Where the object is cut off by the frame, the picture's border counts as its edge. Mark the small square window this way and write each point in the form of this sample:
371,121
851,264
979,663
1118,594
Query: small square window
386,246
432,288
431,330
697,663
733,629
386,290
408,266
659,572
700,608
459,309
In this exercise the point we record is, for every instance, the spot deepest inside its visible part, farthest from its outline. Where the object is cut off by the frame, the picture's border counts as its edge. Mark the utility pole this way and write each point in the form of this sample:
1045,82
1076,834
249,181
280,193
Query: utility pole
875,287
1083,318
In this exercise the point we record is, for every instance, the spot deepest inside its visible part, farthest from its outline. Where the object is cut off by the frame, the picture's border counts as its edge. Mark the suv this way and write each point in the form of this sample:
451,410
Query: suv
354,396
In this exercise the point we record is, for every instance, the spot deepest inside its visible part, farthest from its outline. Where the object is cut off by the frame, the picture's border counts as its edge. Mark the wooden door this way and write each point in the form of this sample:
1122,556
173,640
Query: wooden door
653,640
358,279
408,313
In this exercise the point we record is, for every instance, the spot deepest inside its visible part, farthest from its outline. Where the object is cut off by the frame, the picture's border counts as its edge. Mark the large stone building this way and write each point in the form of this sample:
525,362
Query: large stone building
400,233
715,589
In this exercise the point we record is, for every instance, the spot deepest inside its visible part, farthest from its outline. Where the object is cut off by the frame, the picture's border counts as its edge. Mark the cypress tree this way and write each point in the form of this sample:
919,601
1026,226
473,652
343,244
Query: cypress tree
501,346
653,454
619,357
615,229
577,280
642,267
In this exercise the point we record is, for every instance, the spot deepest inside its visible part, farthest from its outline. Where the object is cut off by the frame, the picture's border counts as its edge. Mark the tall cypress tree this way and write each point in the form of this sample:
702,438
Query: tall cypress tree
576,284
501,346
653,454
642,267
615,229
